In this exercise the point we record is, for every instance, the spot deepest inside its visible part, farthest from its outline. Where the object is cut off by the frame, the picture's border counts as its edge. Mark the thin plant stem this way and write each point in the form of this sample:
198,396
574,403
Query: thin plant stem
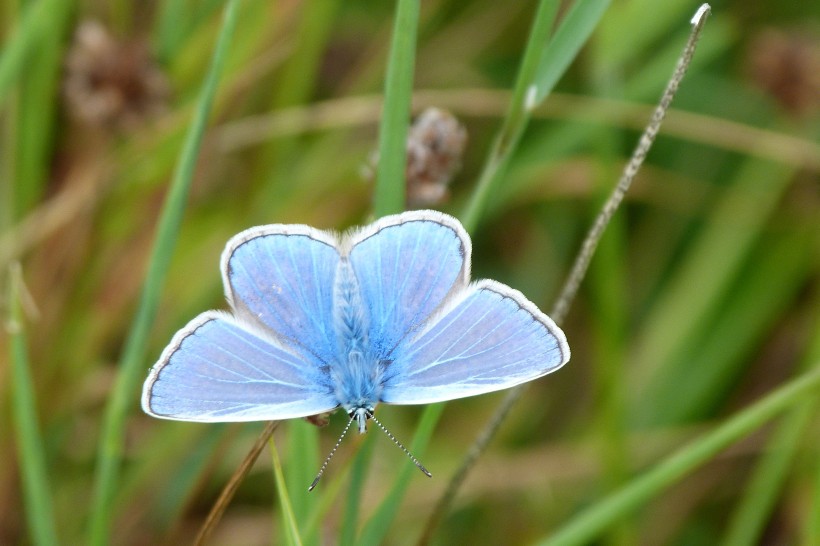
576,275
39,506
224,499
131,365
363,110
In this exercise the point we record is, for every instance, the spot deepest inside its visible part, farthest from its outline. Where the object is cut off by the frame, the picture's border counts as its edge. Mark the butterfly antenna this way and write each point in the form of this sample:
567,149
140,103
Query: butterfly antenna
330,455
401,446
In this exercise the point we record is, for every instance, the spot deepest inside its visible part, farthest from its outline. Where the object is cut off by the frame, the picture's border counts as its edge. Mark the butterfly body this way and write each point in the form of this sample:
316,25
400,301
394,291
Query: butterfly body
385,313
357,374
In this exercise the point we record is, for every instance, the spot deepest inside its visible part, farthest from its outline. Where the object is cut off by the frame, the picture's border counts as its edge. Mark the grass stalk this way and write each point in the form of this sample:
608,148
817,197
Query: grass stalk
131,365
39,508
536,78
35,23
574,279
755,509
591,522
291,529
398,91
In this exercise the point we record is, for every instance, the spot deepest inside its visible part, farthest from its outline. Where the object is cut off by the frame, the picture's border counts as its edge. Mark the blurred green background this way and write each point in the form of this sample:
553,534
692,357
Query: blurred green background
702,298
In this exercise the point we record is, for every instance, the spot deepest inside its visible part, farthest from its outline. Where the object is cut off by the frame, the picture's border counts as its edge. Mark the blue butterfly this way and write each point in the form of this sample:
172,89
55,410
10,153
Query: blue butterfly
385,313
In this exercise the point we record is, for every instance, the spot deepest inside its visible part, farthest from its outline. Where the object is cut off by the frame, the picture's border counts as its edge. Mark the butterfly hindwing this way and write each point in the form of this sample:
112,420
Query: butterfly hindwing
282,277
218,369
406,265
488,337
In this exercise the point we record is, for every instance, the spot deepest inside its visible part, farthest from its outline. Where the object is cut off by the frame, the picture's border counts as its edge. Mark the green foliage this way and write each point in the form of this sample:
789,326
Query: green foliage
697,325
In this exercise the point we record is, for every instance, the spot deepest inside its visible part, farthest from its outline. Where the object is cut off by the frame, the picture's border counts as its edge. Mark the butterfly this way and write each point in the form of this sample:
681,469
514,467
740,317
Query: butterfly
320,321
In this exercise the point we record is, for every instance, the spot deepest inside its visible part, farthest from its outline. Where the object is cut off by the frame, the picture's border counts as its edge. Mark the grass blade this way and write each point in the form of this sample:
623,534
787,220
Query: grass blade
358,475
131,371
292,530
595,519
578,272
31,452
376,528
755,509
36,111
811,527
699,283
398,90
303,460
534,82
575,30
36,22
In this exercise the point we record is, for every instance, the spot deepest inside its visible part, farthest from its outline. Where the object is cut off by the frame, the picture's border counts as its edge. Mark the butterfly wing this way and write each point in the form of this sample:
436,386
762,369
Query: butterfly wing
486,338
281,276
218,369
406,265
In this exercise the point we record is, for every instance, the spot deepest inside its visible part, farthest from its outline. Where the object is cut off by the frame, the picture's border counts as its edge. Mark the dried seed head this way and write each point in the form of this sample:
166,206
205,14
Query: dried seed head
435,145
112,84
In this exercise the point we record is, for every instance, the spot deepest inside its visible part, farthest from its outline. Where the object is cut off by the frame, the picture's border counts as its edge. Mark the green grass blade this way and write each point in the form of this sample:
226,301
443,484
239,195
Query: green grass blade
811,527
607,282
31,452
168,34
291,529
540,70
36,126
518,113
34,26
700,283
755,509
171,468
376,529
358,474
131,365
303,462
575,30
506,141
749,521
594,520
696,385
398,91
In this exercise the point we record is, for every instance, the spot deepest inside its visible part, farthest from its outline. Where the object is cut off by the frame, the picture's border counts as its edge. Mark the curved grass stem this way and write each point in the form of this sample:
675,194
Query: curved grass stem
573,282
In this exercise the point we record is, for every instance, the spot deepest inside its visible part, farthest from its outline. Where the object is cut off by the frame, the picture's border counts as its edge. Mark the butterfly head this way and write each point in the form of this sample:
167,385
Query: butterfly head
361,414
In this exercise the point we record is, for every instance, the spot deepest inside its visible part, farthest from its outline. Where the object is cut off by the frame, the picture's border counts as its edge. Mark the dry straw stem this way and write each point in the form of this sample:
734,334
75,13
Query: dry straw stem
112,437
361,110
224,499
348,112
577,274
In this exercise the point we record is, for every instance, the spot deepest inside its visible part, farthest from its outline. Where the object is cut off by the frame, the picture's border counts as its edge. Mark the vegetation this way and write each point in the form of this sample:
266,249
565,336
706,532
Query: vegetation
137,137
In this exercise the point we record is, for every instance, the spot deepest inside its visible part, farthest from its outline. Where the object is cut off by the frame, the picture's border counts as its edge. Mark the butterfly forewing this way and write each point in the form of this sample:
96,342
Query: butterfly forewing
406,265
219,369
282,277
486,338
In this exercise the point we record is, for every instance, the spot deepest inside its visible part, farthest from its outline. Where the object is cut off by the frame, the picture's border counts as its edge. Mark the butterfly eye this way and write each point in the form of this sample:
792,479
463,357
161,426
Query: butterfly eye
357,413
